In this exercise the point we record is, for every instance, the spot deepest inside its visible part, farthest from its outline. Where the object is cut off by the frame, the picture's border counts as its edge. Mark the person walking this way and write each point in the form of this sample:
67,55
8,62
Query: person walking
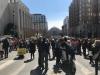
53,49
10,44
58,53
73,48
45,53
39,46
79,47
5,47
90,48
84,47
65,48
67,65
32,48
1,50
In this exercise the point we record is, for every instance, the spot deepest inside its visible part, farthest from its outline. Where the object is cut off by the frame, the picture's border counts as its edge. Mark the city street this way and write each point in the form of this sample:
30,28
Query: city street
25,67
65,26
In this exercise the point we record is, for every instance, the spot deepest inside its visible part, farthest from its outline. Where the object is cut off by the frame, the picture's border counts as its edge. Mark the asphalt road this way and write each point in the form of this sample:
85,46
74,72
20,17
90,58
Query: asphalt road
10,66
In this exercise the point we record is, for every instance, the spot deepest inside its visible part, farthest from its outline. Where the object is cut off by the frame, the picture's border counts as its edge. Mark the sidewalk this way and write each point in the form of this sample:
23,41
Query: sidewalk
11,56
86,65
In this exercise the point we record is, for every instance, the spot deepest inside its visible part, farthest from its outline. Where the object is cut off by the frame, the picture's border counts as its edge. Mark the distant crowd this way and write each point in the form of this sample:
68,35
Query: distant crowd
63,50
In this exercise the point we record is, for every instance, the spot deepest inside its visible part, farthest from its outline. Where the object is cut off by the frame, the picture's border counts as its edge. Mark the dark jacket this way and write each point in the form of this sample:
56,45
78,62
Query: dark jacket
64,46
45,46
32,47
39,45
5,44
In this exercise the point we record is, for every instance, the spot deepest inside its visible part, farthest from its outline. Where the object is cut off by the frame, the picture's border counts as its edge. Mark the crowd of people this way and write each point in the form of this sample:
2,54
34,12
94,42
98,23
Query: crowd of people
63,50
6,46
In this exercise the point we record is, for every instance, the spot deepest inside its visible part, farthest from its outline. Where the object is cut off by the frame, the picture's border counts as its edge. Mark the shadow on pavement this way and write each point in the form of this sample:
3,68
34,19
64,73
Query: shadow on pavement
38,71
27,61
18,58
56,69
99,67
69,67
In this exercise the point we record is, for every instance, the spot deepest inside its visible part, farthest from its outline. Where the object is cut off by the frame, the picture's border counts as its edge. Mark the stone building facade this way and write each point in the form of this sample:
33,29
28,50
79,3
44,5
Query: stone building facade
4,15
87,18
17,13
65,26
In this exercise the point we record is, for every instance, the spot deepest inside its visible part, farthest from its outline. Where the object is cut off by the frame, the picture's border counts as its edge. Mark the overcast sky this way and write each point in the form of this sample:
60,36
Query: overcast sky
54,10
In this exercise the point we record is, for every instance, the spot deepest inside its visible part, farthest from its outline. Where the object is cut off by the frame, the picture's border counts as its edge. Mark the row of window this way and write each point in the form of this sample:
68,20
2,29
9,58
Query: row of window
25,19
39,19
13,1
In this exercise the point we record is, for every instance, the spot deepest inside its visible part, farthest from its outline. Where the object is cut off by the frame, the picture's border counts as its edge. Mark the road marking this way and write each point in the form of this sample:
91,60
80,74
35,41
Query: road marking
19,70
7,63
83,69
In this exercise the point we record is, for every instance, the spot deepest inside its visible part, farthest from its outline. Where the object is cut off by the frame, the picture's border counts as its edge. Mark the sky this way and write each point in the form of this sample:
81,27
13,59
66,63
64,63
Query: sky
54,10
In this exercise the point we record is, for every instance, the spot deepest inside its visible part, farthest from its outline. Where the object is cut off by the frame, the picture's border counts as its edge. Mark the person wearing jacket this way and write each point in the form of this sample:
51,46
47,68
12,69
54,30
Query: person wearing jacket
53,49
5,47
67,65
84,47
32,48
39,46
90,48
1,50
45,52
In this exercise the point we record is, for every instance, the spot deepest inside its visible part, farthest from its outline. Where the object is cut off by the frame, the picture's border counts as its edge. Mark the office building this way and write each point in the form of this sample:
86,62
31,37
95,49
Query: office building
86,22
73,17
65,26
40,25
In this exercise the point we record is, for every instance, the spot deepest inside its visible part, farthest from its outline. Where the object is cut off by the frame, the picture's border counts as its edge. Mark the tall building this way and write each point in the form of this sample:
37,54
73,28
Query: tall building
65,26
39,24
21,17
84,18
97,28
15,12
74,17
88,17
4,15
